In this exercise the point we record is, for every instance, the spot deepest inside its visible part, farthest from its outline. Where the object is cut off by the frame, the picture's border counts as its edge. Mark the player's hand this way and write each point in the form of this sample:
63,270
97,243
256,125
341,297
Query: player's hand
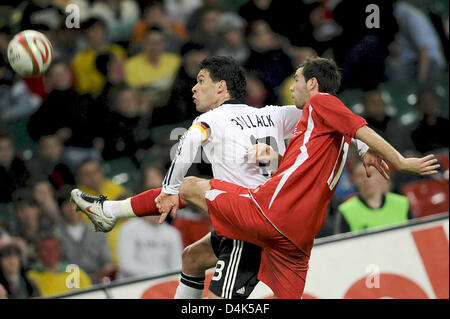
373,159
262,153
167,204
424,166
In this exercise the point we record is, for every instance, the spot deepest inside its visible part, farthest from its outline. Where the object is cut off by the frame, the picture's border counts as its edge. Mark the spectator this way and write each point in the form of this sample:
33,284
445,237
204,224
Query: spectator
181,10
191,224
155,14
67,114
154,69
87,79
3,292
49,162
120,17
373,206
267,57
389,127
44,194
146,247
298,56
16,101
81,244
49,13
203,27
292,22
180,106
231,31
51,274
13,172
431,132
361,50
30,222
257,94
113,69
126,129
416,52
90,179
13,276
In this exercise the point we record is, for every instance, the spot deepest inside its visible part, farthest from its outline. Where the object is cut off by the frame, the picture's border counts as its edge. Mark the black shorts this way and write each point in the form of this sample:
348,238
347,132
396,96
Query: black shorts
237,269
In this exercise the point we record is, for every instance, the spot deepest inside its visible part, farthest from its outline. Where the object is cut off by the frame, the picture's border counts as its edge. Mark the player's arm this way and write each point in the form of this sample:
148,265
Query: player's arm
427,165
371,158
188,147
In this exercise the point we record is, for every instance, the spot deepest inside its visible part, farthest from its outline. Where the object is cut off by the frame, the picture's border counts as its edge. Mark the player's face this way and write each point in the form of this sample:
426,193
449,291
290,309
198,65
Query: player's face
205,91
299,91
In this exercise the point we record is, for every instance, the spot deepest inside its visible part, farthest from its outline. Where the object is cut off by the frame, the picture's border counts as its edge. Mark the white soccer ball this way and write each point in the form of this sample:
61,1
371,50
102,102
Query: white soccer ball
30,53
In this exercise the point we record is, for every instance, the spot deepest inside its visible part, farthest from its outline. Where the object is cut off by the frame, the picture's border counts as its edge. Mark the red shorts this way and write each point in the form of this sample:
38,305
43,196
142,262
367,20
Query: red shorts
235,215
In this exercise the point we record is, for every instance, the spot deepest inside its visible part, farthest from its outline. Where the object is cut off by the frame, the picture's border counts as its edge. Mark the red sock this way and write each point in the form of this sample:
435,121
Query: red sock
143,204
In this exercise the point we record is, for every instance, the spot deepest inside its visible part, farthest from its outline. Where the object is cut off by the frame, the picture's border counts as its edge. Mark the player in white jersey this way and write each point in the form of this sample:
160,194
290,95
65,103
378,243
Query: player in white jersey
225,131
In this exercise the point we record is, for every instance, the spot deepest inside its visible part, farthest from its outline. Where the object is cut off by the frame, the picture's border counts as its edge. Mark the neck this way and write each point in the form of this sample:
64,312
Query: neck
14,277
221,100
52,268
430,120
97,47
373,200
153,59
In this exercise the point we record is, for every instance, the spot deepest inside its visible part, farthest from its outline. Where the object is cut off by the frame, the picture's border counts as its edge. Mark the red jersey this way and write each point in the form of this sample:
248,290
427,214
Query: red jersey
296,197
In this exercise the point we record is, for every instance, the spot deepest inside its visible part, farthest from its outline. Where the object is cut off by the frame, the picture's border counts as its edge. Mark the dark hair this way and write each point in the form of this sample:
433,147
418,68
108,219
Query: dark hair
226,69
155,28
325,71
23,196
6,136
93,21
12,249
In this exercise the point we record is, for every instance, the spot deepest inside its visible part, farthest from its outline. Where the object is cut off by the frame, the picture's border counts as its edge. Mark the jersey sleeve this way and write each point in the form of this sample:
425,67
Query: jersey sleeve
360,146
188,147
336,115
290,115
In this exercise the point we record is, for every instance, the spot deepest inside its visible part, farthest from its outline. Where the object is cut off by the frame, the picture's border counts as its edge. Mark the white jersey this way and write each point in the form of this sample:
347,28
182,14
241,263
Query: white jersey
225,133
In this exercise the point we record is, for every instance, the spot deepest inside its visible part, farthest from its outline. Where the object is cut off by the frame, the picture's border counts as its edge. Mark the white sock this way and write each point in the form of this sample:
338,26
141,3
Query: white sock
190,287
119,208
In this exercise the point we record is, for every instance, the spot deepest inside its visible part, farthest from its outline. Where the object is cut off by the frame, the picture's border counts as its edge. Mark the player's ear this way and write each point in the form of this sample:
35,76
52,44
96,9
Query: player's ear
313,83
222,87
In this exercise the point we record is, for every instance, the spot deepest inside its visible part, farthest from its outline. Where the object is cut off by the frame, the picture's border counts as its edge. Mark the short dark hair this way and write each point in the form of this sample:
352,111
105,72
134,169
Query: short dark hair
325,71
226,69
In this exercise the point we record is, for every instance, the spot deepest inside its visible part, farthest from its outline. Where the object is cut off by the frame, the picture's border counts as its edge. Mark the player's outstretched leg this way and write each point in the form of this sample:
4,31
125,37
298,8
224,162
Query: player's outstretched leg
104,213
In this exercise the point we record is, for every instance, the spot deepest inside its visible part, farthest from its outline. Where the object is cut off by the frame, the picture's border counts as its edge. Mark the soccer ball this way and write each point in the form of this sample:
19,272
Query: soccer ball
30,53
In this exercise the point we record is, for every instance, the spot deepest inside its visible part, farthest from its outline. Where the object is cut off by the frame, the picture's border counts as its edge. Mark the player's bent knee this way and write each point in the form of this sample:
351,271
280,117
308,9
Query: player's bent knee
192,191
196,260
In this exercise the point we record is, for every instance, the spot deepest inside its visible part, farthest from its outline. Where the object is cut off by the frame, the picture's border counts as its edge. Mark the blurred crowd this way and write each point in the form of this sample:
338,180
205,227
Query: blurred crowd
124,75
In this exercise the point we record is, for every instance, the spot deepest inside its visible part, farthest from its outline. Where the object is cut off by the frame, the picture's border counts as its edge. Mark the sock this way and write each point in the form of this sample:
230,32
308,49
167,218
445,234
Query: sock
190,287
142,204
119,208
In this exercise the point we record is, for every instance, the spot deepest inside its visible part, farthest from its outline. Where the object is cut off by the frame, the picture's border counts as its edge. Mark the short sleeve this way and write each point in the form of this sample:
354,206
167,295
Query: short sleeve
336,115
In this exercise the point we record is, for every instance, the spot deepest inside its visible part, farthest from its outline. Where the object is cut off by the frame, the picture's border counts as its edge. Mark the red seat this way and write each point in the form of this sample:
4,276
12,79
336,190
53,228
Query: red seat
427,197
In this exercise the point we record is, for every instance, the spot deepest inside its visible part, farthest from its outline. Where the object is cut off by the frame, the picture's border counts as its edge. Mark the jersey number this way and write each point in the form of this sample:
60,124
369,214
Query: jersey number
336,174
218,273
272,142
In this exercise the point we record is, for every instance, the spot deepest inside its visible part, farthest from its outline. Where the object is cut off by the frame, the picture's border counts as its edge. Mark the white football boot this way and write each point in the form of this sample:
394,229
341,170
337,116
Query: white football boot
92,206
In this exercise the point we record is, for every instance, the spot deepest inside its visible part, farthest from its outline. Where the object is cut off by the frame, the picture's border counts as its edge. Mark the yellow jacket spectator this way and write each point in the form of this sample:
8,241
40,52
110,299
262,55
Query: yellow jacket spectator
87,79
90,179
53,277
154,69
374,206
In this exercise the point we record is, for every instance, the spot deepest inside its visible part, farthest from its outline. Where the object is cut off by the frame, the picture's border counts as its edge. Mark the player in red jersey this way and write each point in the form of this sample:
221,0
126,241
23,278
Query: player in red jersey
284,214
